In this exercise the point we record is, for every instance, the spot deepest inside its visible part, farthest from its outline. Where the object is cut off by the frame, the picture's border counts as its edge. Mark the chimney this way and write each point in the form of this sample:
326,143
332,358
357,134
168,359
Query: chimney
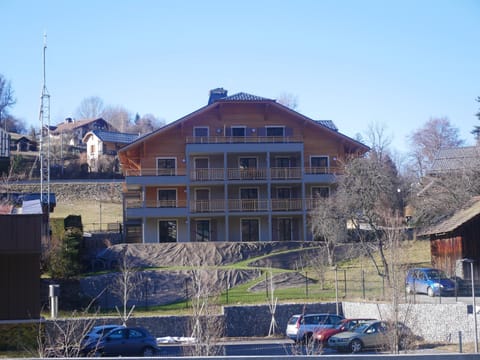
217,94
68,120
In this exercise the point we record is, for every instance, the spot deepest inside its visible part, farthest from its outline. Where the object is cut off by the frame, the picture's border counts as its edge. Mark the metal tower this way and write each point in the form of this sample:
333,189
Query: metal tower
45,137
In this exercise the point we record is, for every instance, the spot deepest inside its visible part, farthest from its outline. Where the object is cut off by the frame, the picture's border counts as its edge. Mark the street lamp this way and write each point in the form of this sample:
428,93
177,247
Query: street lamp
471,261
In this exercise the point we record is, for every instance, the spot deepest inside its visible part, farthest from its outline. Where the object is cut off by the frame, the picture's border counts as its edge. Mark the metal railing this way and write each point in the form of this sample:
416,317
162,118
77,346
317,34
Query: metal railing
243,139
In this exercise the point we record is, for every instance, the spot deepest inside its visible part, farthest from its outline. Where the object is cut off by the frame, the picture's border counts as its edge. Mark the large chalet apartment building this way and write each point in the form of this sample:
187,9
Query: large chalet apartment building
241,168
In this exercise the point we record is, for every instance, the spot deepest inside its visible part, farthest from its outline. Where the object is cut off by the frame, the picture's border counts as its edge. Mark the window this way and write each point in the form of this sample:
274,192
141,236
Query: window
275,131
238,130
200,131
250,230
319,164
284,193
321,191
247,163
166,166
285,229
202,231
282,162
167,231
202,200
249,198
167,198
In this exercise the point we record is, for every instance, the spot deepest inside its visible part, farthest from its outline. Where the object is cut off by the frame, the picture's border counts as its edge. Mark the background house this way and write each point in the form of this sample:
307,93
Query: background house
20,142
101,142
241,168
75,130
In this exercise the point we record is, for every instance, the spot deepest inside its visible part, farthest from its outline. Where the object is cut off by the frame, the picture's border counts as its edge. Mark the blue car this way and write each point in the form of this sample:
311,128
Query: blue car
433,282
124,341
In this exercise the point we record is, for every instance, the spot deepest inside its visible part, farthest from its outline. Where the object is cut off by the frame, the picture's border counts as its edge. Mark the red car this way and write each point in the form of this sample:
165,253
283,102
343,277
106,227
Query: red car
322,335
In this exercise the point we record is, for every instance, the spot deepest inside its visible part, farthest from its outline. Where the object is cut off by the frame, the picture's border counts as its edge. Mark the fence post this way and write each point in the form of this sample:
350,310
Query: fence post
266,285
226,283
460,342
186,293
345,281
363,283
306,284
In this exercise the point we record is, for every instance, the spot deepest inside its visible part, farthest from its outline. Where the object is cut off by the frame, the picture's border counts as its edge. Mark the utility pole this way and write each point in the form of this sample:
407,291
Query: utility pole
45,148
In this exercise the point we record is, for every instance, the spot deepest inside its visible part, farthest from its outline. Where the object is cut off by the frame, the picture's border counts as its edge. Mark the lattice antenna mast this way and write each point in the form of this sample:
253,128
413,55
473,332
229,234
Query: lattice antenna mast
45,136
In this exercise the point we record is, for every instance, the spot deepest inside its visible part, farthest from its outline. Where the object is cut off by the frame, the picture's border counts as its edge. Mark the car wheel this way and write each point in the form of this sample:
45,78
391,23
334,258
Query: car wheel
355,346
430,292
148,351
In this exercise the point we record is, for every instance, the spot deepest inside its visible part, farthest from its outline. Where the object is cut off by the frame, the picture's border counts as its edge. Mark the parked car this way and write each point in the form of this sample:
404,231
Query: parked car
124,341
433,282
322,335
301,327
91,338
374,334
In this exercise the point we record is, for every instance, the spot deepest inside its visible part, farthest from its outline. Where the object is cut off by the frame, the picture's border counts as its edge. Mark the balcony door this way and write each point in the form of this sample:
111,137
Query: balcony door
202,200
202,230
167,198
250,230
167,231
285,229
166,166
284,196
249,198
201,168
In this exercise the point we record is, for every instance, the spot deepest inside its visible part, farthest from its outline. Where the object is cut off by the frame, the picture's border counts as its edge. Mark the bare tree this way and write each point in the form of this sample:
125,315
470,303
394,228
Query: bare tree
437,133
7,98
145,124
90,108
378,140
125,284
119,117
476,128
206,325
289,100
328,224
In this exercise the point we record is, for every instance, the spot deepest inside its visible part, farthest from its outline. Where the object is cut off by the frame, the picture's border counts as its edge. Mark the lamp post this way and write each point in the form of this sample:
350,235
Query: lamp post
473,302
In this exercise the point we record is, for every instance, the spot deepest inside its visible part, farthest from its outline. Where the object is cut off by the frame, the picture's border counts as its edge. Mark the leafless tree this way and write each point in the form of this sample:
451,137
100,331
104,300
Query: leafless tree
7,98
437,133
206,325
378,140
289,100
119,117
125,284
90,108
328,224
145,124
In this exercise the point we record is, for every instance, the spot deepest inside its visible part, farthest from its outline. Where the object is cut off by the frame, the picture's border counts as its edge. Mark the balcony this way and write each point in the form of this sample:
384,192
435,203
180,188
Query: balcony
243,139
220,205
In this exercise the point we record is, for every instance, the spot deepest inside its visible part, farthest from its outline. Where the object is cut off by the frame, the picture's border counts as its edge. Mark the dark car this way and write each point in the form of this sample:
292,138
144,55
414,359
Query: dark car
94,335
433,282
125,341
322,335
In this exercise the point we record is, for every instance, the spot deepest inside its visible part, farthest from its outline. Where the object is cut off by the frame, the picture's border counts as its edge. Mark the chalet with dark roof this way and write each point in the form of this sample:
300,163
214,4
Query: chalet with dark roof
77,129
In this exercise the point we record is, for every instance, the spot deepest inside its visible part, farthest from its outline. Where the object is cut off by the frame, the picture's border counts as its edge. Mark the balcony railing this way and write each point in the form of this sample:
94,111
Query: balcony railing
242,139
232,205
215,174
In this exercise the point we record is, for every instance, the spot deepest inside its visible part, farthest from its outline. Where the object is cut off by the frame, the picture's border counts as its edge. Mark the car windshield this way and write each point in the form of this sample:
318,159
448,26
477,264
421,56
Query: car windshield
360,328
436,274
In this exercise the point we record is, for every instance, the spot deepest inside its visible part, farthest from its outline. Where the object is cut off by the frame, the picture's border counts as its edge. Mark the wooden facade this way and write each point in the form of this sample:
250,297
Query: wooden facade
242,168
455,239
20,248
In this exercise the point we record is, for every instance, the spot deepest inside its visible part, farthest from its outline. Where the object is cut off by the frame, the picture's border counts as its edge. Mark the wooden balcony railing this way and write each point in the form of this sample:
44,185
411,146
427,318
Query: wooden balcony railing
243,139
232,205
215,174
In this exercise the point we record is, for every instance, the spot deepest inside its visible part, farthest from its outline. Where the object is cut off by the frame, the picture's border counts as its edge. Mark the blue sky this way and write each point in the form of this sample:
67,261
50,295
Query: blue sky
396,63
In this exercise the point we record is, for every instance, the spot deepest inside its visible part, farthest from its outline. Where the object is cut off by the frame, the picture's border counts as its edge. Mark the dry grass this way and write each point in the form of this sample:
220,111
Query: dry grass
95,215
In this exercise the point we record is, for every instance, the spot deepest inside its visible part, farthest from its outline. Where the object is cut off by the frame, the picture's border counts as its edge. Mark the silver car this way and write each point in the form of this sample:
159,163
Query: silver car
301,327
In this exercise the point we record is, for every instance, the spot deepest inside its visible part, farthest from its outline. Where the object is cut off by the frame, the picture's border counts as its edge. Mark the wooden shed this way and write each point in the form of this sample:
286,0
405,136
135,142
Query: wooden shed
455,239
20,266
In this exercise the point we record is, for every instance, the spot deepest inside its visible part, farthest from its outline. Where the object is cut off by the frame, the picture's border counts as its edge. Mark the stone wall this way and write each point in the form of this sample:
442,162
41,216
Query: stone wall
69,191
435,323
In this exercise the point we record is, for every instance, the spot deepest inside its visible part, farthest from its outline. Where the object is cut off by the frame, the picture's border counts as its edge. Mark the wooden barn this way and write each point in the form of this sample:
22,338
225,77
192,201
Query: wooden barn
455,239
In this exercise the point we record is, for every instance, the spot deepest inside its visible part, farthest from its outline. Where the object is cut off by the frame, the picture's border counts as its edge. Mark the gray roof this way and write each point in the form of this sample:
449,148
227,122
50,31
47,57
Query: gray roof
460,217
241,96
452,159
115,137
327,123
